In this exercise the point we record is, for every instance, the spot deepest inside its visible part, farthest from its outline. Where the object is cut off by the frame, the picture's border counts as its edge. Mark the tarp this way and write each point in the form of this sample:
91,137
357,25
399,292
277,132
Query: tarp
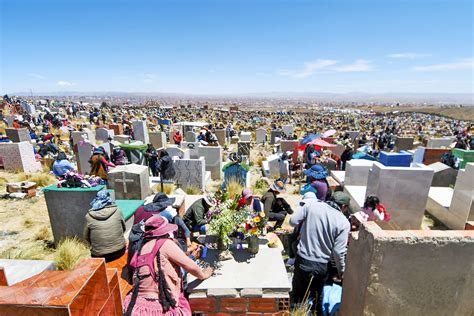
128,207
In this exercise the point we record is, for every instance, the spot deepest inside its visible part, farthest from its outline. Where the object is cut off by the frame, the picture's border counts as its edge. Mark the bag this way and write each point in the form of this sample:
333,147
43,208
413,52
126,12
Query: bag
332,297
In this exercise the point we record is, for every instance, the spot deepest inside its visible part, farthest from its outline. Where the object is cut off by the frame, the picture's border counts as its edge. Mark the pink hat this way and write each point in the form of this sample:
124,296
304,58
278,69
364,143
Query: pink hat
158,226
247,194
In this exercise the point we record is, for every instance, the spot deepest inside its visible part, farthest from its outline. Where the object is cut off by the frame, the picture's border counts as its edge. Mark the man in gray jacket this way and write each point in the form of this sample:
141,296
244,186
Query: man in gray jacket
324,234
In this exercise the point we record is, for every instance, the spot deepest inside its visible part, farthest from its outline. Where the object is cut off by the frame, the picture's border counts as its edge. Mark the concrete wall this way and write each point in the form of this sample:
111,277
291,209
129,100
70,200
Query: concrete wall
409,272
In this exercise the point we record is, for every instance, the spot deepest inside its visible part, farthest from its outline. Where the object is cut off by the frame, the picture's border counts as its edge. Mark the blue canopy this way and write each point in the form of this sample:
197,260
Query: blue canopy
309,138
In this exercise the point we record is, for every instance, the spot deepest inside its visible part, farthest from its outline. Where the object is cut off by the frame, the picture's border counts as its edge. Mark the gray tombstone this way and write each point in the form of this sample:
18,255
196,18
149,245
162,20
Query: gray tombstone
213,159
86,134
245,136
130,182
18,157
444,176
190,136
221,136
122,139
104,134
403,143
288,130
440,142
181,153
190,173
158,139
261,136
83,153
18,135
243,148
140,131
193,148
273,135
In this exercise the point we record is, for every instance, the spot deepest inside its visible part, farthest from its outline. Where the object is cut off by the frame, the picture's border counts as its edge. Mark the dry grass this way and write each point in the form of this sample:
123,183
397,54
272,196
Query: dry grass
192,190
43,234
35,252
42,179
234,188
69,252
28,223
168,188
259,160
260,187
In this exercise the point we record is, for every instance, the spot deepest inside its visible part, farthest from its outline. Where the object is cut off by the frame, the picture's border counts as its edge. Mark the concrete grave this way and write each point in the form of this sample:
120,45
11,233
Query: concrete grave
403,143
67,209
122,139
274,168
391,159
440,142
234,139
338,150
353,135
18,157
86,134
213,159
357,172
404,192
140,131
83,152
190,137
191,173
158,139
261,136
130,182
117,128
454,207
276,133
245,136
243,148
175,151
104,134
18,135
288,145
444,176
193,149
288,130
221,136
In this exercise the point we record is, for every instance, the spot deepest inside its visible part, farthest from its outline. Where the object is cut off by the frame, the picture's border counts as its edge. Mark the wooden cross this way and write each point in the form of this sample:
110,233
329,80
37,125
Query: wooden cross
124,181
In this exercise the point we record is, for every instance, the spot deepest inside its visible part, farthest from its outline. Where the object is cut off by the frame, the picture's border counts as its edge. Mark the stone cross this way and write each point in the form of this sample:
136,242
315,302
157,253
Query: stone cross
124,181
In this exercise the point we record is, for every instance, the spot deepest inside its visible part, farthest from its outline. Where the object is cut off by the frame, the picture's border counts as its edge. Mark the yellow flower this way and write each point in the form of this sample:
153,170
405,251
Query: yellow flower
257,219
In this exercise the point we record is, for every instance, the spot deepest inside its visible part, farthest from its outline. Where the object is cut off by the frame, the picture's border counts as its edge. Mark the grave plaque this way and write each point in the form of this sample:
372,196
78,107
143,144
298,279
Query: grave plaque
130,182
190,173
18,135
213,158
261,136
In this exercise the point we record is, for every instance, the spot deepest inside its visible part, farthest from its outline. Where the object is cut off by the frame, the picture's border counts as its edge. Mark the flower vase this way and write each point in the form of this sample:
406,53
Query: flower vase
253,244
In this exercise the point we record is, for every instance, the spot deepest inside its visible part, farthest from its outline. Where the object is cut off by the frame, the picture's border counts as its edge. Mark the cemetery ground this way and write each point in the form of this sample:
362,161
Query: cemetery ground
466,113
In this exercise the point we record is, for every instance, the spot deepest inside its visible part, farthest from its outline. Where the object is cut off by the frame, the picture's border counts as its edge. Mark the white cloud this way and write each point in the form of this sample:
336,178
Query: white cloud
328,65
309,68
62,83
407,55
461,64
360,65
37,76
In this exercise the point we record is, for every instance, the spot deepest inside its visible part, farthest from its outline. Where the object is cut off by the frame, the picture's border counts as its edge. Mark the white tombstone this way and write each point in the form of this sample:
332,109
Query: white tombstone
193,149
158,139
403,190
213,159
190,137
288,130
357,172
83,155
190,173
104,134
140,131
440,142
175,151
245,136
86,134
18,157
271,166
122,139
261,136
419,155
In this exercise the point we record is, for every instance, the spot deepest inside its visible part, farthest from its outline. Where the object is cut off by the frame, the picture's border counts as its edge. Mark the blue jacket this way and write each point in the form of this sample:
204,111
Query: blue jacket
60,167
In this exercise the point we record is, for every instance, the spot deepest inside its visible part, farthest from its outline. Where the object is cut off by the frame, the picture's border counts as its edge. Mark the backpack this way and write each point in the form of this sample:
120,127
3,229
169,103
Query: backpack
137,261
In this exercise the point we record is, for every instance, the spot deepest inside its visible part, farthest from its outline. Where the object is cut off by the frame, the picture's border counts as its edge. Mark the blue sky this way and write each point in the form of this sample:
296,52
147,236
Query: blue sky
232,46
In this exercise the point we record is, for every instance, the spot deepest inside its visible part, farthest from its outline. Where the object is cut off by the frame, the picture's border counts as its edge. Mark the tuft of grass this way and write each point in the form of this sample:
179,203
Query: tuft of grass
192,190
260,187
41,179
28,223
168,188
259,160
43,234
234,188
69,252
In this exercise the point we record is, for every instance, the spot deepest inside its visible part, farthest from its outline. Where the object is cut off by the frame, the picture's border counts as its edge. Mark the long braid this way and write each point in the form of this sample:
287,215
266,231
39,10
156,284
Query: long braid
165,296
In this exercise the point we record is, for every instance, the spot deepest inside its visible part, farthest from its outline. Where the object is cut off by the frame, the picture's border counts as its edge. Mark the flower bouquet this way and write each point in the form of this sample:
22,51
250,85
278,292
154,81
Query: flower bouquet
252,225
223,219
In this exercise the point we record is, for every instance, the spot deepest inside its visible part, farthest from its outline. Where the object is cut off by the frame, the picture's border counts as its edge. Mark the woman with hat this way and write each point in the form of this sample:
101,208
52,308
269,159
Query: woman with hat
276,208
248,199
61,165
317,175
105,227
99,165
157,264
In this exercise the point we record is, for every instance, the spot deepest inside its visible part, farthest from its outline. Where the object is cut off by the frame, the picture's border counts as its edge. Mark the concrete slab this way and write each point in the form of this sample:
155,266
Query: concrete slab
20,270
357,195
339,176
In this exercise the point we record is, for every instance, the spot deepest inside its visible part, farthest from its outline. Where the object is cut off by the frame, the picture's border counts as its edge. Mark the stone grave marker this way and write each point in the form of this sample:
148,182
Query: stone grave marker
288,145
440,142
261,136
83,152
117,128
130,182
444,176
181,153
213,159
357,171
353,135
245,136
140,131
243,148
86,134
190,173
221,136
403,143
18,135
190,137
104,134
276,133
193,149
403,191
18,157
158,139
288,130
236,172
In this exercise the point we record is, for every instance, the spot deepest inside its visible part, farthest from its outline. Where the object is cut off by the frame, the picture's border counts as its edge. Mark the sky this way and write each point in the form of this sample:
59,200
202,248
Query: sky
237,46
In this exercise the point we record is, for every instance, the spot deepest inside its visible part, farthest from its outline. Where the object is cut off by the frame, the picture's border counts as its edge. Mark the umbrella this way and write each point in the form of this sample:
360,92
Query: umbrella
309,138
318,143
329,133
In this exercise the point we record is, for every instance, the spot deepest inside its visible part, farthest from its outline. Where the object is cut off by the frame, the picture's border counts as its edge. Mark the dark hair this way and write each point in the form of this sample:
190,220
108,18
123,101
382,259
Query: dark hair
61,156
371,201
